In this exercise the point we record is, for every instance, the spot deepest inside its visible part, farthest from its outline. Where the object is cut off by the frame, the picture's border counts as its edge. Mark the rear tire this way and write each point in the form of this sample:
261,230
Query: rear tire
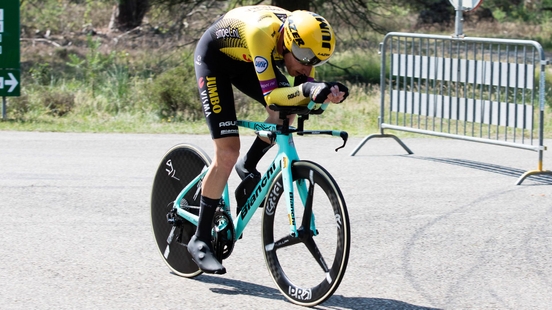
307,269
180,165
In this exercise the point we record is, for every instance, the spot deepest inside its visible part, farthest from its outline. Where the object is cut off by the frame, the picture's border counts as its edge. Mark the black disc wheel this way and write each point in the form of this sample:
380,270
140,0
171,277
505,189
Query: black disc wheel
180,165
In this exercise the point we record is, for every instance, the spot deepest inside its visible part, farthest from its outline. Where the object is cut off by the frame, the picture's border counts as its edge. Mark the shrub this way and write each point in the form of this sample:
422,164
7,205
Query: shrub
176,93
58,102
18,107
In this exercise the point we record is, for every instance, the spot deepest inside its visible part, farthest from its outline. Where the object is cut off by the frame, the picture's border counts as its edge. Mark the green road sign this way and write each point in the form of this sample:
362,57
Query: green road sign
9,83
9,48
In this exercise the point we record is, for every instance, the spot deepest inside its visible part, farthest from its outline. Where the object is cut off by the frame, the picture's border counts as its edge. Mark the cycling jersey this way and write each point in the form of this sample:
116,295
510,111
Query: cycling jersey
240,49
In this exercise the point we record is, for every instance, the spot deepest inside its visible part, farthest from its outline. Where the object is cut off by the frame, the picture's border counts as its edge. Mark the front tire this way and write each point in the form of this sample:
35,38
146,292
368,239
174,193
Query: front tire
307,269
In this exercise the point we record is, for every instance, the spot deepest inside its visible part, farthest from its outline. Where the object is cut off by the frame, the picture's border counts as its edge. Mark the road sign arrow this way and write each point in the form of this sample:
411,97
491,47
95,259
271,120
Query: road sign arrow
12,82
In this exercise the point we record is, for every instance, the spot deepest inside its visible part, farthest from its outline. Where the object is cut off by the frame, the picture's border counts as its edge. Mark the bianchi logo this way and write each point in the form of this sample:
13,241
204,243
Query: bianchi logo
261,64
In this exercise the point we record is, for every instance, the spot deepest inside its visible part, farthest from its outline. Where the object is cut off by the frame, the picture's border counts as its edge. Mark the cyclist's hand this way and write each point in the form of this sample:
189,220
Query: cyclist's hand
317,92
339,92
325,92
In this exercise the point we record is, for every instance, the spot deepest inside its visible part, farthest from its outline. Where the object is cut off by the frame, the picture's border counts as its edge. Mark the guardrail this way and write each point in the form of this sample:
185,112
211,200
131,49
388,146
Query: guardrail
474,89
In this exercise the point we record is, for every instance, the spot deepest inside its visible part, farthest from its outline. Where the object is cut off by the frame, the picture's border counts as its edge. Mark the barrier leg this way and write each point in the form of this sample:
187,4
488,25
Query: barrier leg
532,172
377,135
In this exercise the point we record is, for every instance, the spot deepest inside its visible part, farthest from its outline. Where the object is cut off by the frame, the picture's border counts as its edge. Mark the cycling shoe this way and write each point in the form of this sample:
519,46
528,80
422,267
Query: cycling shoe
203,256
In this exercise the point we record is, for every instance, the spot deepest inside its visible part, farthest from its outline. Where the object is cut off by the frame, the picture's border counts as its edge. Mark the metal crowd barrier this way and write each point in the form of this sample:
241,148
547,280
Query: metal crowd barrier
474,89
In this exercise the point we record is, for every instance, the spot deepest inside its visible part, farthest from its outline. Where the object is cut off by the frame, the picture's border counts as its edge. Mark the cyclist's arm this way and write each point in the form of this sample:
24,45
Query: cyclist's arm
287,96
261,53
291,95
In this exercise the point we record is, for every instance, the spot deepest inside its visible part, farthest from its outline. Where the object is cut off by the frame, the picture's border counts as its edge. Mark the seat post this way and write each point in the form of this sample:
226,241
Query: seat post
300,122
302,113
285,119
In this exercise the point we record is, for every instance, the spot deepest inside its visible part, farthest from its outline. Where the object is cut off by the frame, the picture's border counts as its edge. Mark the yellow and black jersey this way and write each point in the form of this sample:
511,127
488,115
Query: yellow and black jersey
250,34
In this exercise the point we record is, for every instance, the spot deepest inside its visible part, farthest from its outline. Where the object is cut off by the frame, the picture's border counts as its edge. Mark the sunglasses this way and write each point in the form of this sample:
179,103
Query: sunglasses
305,55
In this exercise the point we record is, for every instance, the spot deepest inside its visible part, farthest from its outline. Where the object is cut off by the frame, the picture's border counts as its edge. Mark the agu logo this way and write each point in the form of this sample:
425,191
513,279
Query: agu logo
261,64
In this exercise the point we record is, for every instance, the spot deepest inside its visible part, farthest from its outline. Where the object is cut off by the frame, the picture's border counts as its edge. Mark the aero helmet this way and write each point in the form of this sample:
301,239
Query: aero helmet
309,37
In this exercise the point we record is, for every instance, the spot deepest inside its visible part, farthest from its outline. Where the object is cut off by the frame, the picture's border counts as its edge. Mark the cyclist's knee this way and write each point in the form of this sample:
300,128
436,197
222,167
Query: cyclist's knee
227,151
227,156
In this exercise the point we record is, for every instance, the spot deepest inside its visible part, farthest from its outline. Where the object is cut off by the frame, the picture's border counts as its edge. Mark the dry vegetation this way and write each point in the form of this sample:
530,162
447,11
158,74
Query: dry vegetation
80,76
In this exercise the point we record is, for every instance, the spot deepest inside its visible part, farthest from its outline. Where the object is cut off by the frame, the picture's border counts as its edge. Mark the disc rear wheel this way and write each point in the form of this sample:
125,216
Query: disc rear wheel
180,165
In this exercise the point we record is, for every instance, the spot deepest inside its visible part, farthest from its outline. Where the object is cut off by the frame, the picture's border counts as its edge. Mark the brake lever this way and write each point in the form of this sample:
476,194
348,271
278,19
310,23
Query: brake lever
344,135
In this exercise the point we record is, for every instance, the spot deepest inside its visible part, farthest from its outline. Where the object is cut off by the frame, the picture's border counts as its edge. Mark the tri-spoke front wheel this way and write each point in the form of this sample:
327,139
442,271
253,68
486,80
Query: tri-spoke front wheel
309,267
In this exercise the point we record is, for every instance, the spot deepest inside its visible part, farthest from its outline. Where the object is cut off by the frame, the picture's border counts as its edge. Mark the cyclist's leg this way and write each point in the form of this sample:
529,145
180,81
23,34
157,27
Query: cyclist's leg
217,98
248,163
226,154
248,83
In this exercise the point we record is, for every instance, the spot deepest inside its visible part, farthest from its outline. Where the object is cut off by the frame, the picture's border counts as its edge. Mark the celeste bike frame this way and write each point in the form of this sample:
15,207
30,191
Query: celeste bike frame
307,266
287,153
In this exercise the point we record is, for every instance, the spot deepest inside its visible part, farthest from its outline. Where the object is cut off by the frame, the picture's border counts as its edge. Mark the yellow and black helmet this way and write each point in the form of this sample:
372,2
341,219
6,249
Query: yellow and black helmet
309,37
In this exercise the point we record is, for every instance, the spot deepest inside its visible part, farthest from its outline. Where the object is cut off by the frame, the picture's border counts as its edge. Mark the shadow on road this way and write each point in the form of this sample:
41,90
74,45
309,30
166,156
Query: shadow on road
545,179
236,287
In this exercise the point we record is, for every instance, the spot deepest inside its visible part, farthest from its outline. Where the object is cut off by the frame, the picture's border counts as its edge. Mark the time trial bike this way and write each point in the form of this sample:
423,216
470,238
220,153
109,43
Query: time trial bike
305,225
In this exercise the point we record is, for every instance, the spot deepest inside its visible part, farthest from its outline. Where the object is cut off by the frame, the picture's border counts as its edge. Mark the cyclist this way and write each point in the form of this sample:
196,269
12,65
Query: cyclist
246,48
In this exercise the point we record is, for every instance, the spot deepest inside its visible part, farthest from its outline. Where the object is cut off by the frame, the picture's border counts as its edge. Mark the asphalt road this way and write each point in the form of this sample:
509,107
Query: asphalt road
445,228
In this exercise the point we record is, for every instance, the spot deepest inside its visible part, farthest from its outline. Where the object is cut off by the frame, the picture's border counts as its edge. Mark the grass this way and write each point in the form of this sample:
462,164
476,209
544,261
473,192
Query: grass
350,115
79,77
122,123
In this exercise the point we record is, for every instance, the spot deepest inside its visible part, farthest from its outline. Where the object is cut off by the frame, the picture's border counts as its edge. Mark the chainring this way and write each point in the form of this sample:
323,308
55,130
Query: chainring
224,234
